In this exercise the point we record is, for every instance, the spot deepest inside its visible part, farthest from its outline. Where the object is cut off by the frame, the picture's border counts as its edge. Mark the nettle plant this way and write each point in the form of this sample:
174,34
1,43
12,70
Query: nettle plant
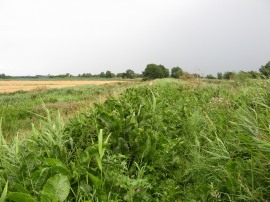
46,166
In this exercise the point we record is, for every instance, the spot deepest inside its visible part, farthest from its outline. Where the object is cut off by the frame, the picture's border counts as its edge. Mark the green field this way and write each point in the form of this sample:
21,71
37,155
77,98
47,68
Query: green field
168,140
20,109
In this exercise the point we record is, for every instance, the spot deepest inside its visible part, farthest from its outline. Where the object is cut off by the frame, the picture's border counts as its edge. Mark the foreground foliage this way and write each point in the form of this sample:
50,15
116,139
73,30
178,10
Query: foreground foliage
170,141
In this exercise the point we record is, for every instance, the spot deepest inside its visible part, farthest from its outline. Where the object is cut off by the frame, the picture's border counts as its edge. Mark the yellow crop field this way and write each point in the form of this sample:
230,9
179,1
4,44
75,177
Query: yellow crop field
13,86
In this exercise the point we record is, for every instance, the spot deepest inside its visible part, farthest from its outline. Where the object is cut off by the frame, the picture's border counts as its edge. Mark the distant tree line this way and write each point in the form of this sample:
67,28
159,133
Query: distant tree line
60,75
235,75
154,71
128,74
264,73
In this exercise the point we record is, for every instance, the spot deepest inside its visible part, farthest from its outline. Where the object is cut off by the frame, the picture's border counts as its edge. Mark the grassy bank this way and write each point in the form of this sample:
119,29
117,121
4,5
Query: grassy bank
170,141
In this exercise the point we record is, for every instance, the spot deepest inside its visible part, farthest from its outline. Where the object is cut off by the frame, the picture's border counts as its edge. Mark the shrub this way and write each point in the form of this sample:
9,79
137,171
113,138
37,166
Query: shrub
176,72
154,71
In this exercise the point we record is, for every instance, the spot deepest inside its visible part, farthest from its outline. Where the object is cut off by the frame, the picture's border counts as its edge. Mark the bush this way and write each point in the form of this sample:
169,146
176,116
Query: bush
130,74
265,70
210,76
153,71
219,75
176,72
229,75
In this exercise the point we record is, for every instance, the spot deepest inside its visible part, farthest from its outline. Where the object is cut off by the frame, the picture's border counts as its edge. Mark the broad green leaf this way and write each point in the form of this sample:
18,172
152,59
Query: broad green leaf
20,197
39,177
58,185
101,195
57,163
20,188
47,197
96,181
4,194
84,157
85,188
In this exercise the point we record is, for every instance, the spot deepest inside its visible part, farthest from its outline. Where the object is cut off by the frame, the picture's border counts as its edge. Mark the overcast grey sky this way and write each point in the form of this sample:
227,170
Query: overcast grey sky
80,36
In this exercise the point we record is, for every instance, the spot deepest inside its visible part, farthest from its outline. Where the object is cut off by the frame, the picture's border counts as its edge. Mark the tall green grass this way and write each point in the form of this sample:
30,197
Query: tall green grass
171,141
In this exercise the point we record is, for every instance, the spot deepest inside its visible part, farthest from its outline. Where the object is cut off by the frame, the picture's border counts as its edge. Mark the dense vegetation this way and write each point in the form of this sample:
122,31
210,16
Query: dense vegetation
176,72
265,70
170,141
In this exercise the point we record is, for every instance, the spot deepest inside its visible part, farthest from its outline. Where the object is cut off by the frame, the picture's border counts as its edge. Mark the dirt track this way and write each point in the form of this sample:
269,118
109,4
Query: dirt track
13,86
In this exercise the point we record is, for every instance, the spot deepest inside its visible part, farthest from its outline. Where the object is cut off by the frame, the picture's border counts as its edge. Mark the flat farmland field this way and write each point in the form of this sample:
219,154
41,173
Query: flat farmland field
17,85
22,100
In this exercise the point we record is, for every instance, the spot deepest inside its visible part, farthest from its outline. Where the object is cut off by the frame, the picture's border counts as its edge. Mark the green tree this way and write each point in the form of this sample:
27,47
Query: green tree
109,74
265,70
229,75
196,75
120,75
102,74
176,72
86,75
130,74
219,75
210,76
153,71
243,75
254,74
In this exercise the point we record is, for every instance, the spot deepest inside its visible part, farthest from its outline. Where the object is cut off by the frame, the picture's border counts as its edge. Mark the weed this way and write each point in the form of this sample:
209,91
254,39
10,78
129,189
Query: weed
168,141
